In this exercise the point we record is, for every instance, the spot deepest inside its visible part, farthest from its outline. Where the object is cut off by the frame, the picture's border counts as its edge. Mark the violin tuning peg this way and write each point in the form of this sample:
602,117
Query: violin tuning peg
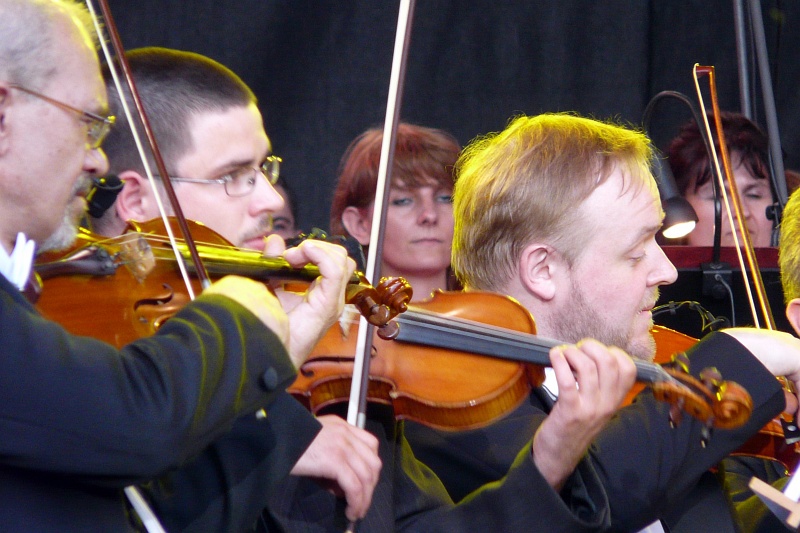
711,378
389,331
681,361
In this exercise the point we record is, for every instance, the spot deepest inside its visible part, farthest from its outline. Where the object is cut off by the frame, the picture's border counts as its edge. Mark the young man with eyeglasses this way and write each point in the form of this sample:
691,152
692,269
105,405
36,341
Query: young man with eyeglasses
212,137
80,419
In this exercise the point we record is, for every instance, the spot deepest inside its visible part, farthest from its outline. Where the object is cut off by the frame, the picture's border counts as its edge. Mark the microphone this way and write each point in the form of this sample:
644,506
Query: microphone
103,194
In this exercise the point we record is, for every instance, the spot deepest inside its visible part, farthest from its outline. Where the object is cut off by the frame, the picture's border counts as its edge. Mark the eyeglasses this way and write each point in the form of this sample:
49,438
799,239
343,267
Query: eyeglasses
241,182
99,126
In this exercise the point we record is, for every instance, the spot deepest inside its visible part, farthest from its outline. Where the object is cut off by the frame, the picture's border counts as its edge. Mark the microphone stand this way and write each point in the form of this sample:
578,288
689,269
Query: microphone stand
776,167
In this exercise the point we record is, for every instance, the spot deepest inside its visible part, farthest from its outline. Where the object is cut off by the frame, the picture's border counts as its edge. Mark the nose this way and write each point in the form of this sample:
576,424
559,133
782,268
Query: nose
664,272
95,162
264,198
428,212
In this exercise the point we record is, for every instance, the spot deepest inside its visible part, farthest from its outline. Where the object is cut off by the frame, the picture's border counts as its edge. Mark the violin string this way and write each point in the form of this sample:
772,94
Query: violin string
475,331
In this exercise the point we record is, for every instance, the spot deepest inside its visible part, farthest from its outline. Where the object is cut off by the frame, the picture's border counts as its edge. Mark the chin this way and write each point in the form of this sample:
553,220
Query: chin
61,239
64,236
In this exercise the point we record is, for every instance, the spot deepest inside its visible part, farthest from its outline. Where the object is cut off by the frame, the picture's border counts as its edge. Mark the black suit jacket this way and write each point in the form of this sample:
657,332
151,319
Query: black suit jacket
647,468
80,419
410,498
227,486
637,470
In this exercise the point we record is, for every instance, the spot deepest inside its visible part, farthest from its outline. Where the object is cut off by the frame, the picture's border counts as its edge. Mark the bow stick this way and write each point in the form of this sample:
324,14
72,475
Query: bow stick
357,406
119,50
137,501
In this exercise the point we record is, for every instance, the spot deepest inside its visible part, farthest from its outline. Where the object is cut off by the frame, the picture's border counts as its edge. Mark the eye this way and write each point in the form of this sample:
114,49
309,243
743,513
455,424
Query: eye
755,194
445,198
401,201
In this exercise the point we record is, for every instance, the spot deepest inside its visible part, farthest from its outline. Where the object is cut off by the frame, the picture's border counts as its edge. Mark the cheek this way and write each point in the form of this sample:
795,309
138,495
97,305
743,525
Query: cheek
447,220
396,228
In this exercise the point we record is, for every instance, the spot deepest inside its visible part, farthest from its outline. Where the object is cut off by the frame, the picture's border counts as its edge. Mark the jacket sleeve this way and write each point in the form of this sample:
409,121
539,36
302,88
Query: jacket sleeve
75,405
226,487
520,501
646,465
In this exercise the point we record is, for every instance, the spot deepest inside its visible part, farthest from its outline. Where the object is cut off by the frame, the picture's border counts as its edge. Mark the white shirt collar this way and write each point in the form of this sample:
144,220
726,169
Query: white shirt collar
17,267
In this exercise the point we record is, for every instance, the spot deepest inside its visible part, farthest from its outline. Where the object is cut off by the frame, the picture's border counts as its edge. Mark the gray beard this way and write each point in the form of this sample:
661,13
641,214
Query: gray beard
63,237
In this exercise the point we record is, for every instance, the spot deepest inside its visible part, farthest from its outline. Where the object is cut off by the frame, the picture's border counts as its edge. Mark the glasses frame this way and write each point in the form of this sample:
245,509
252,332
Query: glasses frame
99,126
270,169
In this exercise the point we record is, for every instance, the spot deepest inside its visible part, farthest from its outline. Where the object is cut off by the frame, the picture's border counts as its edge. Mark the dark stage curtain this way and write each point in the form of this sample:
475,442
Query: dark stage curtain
321,67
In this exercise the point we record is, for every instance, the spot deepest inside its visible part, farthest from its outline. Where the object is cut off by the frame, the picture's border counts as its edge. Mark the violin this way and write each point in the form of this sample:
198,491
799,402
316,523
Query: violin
127,286
436,371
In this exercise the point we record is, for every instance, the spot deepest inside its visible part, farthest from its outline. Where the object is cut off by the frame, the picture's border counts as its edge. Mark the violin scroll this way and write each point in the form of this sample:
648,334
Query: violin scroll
380,304
710,399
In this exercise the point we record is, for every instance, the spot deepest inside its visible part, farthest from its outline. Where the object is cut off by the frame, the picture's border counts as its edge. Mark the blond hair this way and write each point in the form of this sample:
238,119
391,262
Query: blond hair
524,184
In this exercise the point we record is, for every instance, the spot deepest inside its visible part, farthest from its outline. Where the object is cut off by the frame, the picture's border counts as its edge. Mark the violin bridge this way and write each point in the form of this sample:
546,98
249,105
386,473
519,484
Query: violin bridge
137,256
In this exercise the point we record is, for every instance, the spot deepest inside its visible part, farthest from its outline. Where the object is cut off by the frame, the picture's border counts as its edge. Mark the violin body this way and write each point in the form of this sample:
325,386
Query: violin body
434,386
127,286
432,374
115,304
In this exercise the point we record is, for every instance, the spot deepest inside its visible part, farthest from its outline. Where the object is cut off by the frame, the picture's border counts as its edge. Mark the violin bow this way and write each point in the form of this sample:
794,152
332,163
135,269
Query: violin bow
119,51
783,504
138,502
357,406
736,221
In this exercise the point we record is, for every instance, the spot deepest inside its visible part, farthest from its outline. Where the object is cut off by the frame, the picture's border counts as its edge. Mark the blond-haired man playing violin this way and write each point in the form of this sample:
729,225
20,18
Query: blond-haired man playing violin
552,482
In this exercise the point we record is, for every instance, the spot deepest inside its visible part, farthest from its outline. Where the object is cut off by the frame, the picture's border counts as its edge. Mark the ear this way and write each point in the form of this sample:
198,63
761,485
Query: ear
135,201
793,314
5,103
537,270
357,224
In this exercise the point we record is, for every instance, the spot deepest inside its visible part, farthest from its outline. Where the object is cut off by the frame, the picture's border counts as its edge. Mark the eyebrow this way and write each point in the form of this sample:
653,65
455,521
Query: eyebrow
645,233
238,164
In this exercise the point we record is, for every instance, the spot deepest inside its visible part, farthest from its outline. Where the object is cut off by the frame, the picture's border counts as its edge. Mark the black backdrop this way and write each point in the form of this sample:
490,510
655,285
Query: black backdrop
321,67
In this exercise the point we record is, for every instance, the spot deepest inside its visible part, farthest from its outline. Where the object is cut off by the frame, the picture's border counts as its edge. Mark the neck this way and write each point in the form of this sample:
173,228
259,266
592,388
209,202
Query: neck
8,242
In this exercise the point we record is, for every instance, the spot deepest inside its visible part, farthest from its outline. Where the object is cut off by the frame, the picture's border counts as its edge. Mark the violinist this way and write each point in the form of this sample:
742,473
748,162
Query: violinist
284,220
81,419
408,497
571,235
206,119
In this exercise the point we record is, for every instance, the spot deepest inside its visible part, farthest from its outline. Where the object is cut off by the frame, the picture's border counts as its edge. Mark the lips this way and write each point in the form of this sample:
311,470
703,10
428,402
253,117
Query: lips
256,243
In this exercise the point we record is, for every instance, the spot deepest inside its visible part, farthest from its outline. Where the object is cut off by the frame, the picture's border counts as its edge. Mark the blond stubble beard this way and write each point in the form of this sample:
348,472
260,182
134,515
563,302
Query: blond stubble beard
578,321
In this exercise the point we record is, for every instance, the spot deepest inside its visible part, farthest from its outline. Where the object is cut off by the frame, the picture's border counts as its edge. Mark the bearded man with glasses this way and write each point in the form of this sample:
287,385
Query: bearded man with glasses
80,419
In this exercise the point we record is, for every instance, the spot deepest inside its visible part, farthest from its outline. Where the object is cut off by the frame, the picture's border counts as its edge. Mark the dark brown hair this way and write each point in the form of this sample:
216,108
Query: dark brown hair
688,157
